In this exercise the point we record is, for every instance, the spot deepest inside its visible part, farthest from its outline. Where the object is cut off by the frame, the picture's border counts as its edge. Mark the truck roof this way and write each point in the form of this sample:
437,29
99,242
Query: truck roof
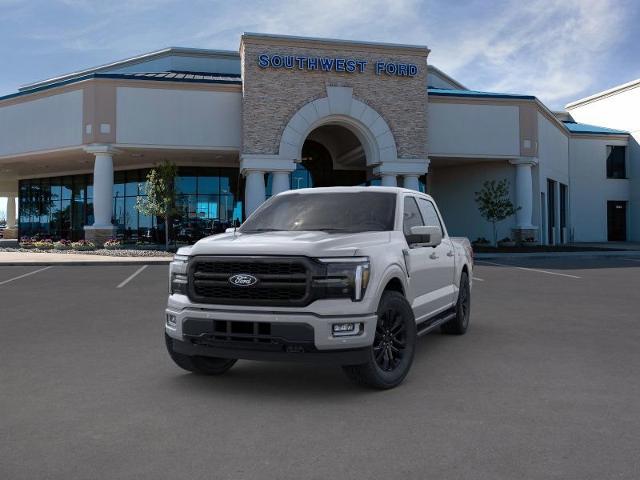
351,189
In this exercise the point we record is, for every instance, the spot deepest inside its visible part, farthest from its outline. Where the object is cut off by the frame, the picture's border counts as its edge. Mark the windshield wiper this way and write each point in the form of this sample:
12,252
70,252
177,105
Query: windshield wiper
325,230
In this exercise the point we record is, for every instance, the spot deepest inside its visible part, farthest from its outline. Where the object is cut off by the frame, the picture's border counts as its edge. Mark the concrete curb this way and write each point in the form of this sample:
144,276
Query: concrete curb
596,254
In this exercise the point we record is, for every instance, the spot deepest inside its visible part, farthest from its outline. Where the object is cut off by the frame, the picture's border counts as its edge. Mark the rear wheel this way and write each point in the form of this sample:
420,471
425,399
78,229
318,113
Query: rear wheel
199,365
459,324
391,353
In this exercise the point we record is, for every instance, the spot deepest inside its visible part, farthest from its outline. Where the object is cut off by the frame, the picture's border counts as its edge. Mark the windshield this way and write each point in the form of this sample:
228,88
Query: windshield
330,212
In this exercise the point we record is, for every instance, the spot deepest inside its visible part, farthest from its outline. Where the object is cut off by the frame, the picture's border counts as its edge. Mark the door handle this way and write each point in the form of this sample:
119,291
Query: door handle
433,256
450,253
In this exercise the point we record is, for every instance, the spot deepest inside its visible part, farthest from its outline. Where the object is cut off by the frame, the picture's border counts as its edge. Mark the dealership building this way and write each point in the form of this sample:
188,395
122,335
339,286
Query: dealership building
289,112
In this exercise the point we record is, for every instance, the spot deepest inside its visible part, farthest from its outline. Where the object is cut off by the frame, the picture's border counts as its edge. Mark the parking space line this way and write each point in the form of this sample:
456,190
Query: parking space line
25,275
476,279
528,269
132,276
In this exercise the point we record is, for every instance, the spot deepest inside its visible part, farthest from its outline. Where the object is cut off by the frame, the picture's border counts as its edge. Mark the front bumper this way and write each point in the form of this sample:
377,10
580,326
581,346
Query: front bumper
256,334
351,356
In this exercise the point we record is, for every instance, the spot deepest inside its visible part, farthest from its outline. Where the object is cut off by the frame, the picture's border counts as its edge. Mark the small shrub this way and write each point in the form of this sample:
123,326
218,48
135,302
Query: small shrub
26,242
481,241
62,245
83,245
112,244
43,244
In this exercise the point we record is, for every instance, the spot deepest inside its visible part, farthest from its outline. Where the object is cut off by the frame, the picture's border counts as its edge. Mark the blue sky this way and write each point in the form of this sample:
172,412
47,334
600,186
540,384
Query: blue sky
557,50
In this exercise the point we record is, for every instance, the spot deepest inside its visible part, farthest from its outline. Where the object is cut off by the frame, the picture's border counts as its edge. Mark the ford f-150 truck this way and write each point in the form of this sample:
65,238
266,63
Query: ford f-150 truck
343,275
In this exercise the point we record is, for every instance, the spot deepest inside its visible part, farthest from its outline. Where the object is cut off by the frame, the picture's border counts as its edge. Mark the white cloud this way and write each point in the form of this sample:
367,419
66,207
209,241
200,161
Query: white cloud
554,49
547,48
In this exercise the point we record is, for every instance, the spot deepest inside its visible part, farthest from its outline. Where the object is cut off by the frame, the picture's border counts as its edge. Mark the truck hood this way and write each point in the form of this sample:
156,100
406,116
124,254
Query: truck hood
311,244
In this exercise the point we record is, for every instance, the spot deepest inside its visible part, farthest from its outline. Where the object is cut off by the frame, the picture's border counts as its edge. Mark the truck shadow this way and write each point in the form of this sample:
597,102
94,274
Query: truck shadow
304,381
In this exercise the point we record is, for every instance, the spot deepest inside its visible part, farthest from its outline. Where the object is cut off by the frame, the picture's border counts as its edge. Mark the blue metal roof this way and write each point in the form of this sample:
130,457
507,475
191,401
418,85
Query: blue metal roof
444,92
575,127
173,76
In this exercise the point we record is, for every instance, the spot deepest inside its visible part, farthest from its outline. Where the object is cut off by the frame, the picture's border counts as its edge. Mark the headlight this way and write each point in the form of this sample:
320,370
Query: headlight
178,279
343,277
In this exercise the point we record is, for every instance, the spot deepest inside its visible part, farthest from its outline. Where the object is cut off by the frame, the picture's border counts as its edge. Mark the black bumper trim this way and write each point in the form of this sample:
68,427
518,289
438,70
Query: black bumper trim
355,356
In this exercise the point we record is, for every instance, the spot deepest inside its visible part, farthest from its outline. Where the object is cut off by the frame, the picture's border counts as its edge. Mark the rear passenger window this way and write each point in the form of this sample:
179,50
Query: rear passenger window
412,216
429,213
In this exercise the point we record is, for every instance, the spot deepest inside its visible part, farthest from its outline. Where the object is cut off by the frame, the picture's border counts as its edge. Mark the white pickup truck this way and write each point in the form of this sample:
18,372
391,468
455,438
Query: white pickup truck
343,275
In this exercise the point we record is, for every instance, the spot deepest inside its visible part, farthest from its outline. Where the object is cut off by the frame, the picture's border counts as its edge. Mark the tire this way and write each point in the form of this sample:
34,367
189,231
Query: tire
460,324
199,365
391,353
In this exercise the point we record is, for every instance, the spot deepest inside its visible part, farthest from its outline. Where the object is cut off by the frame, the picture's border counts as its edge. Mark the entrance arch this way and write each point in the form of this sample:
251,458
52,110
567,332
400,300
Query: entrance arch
341,109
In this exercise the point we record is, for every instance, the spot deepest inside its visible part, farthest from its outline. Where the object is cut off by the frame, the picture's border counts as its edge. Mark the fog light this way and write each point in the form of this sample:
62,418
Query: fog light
345,329
171,320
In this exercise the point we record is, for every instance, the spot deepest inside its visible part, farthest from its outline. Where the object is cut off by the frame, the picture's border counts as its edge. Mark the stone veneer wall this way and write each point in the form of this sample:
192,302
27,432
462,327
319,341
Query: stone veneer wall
271,96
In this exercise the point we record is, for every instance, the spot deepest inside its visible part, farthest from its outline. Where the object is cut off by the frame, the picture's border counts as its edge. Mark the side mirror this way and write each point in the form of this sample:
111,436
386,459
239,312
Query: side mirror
425,236
229,230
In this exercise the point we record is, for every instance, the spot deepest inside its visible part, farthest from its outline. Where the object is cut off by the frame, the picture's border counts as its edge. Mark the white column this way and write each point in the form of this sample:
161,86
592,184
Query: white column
254,193
103,190
11,211
280,182
524,192
411,182
389,180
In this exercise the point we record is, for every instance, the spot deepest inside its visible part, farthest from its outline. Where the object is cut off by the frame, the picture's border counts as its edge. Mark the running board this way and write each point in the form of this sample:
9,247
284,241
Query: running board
428,325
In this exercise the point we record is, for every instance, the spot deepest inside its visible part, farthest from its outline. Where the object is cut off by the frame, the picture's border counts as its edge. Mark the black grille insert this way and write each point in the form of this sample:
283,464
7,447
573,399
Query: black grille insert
281,281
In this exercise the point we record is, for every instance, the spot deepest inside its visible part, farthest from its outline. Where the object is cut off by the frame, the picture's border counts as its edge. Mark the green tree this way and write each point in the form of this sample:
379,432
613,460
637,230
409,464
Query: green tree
160,199
494,203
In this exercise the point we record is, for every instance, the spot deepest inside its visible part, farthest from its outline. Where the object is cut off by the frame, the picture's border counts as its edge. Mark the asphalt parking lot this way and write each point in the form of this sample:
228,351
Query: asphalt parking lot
544,385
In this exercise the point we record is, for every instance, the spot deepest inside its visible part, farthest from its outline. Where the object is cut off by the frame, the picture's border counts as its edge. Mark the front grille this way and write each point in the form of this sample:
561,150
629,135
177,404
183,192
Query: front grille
281,281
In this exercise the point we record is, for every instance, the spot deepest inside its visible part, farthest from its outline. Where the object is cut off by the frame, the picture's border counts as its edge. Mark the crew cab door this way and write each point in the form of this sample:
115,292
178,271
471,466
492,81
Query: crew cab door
431,269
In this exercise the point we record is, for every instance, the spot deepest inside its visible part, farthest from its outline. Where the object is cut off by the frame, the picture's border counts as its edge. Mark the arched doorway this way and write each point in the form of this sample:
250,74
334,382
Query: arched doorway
331,156
334,156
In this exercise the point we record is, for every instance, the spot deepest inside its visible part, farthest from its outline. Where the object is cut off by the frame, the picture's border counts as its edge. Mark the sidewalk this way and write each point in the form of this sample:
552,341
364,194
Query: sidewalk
31,258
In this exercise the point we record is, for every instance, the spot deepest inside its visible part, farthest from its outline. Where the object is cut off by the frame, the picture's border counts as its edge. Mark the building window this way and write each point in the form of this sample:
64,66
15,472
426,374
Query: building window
208,201
616,161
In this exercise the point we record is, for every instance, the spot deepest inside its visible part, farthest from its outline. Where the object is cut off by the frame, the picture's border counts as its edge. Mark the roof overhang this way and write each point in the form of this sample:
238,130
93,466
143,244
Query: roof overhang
145,57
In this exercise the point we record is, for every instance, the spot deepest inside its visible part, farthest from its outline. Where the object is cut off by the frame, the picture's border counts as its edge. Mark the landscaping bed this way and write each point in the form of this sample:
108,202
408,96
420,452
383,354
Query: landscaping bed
121,252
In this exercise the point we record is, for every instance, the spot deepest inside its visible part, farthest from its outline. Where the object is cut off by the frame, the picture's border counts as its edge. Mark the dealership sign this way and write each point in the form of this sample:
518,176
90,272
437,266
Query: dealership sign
331,64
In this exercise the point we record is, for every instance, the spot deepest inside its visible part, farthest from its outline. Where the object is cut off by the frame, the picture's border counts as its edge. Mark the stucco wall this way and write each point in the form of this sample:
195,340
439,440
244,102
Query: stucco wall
590,189
465,129
621,111
165,117
45,123
271,96
454,189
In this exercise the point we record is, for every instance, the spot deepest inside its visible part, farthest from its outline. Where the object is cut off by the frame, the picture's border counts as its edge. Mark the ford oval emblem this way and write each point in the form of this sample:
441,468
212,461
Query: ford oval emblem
243,280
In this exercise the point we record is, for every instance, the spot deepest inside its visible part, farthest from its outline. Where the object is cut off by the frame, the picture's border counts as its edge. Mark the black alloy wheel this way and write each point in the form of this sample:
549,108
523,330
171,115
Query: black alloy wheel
390,340
459,324
393,346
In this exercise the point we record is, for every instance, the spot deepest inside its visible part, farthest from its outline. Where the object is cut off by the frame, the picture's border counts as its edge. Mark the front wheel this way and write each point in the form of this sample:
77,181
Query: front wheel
199,365
459,324
391,353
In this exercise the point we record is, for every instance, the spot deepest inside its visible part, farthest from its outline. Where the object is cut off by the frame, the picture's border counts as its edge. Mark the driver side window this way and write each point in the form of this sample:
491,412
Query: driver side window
429,213
412,216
